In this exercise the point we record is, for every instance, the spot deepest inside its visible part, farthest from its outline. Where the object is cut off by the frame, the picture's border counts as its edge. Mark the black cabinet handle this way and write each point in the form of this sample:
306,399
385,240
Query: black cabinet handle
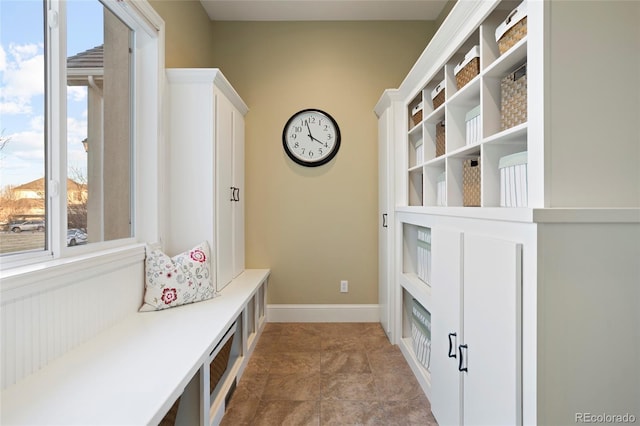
451,345
233,191
384,220
236,196
462,360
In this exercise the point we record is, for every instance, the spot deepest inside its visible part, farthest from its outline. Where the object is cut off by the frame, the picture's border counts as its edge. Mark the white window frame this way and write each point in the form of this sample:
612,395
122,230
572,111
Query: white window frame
148,142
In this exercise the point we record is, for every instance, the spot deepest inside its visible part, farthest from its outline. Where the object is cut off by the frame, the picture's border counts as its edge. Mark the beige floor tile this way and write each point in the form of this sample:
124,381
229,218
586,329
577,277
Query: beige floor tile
287,413
295,362
349,387
352,413
296,387
329,374
344,362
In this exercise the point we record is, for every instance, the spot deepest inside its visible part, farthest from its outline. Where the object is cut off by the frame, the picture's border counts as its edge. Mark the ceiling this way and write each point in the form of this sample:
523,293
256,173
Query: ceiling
322,10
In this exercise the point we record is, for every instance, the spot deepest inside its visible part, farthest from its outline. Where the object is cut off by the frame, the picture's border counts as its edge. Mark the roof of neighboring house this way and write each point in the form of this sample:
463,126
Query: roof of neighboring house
92,58
86,68
38,186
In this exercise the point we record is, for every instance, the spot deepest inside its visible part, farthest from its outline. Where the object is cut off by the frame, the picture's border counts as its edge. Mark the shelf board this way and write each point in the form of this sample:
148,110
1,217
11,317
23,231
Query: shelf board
466,151
437,162
508,214
420,290
515,133
436,116
508,61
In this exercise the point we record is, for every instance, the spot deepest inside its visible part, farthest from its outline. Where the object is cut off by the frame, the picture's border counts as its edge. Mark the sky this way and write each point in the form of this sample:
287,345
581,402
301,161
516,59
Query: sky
22,86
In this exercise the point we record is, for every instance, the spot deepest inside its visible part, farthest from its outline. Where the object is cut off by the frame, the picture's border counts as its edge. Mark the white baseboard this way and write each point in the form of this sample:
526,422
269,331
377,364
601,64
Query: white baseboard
323,313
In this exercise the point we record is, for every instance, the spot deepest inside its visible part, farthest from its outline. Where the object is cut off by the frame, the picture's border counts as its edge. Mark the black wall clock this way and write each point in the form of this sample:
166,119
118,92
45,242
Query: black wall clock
311,137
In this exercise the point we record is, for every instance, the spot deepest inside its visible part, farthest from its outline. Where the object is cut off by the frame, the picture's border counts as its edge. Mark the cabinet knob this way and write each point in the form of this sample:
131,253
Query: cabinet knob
452,352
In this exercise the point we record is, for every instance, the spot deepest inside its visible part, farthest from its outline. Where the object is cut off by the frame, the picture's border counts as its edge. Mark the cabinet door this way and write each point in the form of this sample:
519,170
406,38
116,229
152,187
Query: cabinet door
238,183
446,330
384,254
492,331
224,193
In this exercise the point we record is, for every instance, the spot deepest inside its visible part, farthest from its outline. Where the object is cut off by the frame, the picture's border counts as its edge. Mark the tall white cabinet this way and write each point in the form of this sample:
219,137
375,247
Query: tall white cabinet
535,310
386,211
205,163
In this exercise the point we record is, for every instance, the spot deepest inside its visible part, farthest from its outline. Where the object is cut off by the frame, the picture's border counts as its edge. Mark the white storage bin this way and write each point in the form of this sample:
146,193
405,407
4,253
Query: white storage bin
424,254
513,180
474,126
441,190
421,334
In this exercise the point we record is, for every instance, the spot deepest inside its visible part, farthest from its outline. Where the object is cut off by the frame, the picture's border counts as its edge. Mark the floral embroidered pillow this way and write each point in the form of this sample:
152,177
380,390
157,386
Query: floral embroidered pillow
174,281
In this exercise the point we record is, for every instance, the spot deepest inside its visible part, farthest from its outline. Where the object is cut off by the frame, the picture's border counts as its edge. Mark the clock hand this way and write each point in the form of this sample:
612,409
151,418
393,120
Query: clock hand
309,130
317,140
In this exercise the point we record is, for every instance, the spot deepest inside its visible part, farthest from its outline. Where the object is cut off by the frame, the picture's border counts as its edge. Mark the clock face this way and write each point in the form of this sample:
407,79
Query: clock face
311,137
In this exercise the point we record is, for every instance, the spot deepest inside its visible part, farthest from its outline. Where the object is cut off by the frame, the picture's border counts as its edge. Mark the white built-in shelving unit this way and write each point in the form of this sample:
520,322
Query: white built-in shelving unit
517,295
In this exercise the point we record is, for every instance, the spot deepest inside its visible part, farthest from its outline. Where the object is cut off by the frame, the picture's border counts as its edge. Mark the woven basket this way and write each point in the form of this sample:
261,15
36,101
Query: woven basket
437,95
219,365
438,100
170,418
468,67
440,139
471,183
513,35
513,90
416,118
467,73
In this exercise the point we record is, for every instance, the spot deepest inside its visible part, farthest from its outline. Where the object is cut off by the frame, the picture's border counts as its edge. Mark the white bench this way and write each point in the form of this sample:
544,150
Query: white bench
131,373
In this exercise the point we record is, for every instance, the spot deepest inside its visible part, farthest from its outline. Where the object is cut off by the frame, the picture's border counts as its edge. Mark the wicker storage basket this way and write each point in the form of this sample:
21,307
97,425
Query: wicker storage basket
437,95
471,183
513,90
416,114
169,419
468,68
219,365
440,139
513,29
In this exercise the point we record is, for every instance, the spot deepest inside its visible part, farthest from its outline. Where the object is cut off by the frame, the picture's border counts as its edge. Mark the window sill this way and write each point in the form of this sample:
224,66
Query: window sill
21,281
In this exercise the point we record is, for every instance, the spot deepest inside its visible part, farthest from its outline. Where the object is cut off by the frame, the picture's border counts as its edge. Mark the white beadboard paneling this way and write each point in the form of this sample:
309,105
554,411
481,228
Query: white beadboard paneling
49,311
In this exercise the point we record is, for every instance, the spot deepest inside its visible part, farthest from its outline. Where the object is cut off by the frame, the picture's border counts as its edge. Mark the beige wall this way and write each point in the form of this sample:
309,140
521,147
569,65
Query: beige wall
315,226
188,33
311,226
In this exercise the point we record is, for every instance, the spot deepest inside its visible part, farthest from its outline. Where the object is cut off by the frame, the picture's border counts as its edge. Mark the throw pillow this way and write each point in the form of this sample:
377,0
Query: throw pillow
174,281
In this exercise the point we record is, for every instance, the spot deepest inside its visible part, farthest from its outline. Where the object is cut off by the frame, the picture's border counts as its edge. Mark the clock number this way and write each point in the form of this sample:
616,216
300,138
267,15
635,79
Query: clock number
294,135
296,145
319,151
326,127
310,154
303,149
329,136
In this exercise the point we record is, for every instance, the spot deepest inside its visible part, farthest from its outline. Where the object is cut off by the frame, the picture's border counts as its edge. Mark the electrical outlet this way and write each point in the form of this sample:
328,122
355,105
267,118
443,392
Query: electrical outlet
344,286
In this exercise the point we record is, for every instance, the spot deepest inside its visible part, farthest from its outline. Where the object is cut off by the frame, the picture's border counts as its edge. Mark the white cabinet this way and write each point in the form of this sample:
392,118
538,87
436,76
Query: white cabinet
205,163
489,354
534,298
446,330
386,216
229,137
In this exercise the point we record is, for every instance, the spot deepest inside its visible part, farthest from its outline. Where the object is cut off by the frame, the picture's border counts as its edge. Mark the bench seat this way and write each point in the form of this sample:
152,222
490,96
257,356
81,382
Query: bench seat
131,373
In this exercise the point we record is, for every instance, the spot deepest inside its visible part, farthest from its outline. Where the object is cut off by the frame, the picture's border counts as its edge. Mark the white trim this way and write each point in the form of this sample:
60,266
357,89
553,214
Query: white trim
323,313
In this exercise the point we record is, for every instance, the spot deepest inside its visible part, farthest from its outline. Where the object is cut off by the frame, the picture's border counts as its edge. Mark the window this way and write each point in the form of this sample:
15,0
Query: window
69,100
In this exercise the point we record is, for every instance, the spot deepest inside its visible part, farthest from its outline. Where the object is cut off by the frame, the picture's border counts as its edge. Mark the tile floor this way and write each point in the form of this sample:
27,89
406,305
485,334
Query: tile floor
327,374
